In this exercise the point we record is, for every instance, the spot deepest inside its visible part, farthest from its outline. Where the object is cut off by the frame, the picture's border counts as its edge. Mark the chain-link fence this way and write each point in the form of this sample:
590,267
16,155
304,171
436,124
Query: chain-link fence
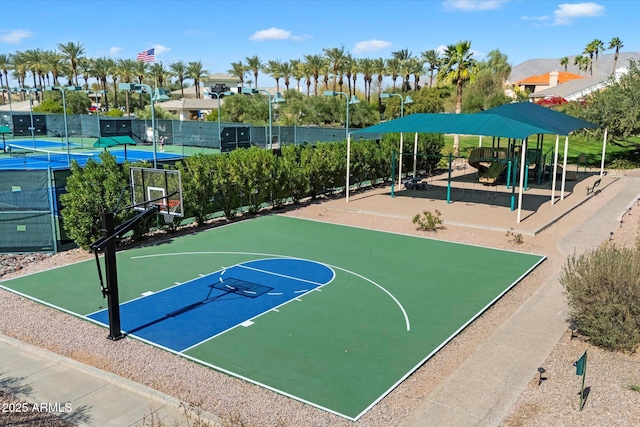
187,133
28,220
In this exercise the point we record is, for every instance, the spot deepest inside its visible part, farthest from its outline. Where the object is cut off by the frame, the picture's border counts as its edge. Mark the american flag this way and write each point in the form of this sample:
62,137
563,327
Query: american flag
147,55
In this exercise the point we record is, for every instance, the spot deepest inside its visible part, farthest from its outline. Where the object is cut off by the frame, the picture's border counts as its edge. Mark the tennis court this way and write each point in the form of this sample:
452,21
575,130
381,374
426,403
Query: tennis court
330,315
44,154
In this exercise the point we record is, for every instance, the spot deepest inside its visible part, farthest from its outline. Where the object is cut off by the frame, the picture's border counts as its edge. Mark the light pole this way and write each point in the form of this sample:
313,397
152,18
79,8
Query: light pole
64,111
217,96
351,101
158,95
403,101
29,91
277,98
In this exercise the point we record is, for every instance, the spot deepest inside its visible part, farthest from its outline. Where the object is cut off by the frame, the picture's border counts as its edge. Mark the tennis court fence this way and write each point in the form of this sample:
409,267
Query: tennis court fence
29,207
188,133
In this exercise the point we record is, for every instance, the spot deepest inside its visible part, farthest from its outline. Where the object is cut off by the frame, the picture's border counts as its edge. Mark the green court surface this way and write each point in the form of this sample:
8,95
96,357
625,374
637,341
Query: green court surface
394,302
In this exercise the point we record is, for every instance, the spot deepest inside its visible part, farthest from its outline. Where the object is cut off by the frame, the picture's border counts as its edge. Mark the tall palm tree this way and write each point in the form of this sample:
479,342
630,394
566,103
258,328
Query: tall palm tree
297,71
379,68
54,62
254,64
432,59
350,69
179,70
403,55
159,73
616,44
272,68
126,69
239,70
367,67
196,72
582,62
393,70
316,64
84,68
458,67
564,62
598,46
19,66
416,67
590,50
286,72
308,75
72,51
336,57
5,65
101,69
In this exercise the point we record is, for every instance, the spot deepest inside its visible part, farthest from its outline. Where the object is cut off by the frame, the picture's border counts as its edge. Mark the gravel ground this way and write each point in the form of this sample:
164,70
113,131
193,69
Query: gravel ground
610,376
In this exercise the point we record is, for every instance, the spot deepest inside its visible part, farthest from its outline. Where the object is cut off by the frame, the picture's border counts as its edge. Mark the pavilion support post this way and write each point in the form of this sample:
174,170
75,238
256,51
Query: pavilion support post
393,173
348,165
522,168
564,167
449,179
480,141
415,155
400,161
513,186
604,152
555,171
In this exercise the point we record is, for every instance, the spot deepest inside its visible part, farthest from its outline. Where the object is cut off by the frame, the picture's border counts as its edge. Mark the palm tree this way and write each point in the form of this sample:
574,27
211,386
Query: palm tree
272,68
196,72
308,75
432,58
598,46
159,73
254,64
141,71
238,69
101,69
616,44
54,63
582,62
126,69
5,65
19,66
297,71
350,69
415,67
316,64
179,70
458,67
84,68
590,50
498,63
379,68
72,51
367,67
336,57
393,70
564,62
403,55
286,71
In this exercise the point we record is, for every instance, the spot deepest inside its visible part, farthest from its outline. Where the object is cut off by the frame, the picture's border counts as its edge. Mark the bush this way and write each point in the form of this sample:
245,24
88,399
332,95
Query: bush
603,292
428,221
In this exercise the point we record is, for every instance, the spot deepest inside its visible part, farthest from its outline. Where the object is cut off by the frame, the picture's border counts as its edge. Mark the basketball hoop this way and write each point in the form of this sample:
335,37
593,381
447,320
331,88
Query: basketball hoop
168,210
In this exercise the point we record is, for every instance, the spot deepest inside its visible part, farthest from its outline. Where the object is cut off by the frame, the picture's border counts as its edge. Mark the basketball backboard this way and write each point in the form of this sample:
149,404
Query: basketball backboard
157,187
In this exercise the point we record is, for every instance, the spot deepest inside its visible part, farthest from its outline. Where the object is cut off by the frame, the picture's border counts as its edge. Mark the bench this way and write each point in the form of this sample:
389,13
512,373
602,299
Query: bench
593,187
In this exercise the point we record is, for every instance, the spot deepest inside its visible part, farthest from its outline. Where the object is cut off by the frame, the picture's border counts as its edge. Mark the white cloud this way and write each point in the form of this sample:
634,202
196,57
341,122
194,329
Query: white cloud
14,36
566,12
160,49
301,38
473,5
272,33
540,18
371,46
441,49
114,51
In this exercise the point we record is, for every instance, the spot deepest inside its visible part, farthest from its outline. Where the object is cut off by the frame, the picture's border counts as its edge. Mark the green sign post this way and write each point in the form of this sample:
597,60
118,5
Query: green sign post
581,369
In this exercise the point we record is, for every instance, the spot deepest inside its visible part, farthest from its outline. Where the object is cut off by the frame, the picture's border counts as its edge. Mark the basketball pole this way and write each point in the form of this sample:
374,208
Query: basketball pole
111,272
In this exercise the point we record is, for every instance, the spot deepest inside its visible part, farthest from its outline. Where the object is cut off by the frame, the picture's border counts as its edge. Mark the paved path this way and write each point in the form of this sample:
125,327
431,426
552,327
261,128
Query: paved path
95,398
483,389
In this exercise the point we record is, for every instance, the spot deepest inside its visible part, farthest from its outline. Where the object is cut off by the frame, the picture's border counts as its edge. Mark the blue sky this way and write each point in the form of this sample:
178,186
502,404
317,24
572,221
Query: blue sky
220,32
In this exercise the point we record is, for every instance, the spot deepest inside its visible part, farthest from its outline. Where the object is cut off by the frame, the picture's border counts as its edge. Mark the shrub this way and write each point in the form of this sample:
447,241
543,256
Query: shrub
623,164
603,292
428,221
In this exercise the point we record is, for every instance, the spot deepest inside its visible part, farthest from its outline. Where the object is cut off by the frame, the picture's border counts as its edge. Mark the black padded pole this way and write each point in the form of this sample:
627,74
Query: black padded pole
113,302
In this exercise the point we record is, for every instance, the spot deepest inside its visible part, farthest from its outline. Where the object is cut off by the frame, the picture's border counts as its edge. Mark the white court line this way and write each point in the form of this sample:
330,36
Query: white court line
279,274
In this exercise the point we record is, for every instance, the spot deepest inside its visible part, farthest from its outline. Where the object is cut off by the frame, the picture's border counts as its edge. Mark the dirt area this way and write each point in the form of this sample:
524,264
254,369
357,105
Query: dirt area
479,216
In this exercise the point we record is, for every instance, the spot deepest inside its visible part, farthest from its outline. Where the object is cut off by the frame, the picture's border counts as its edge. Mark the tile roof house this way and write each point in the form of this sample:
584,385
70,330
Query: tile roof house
544,81
576,90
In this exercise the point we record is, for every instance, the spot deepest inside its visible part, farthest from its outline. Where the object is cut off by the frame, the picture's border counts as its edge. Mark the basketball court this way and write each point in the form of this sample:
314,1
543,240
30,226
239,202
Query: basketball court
330,315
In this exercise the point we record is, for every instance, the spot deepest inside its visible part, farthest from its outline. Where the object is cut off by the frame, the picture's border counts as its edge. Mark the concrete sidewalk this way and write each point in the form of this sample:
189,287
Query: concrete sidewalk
92,397
483,389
